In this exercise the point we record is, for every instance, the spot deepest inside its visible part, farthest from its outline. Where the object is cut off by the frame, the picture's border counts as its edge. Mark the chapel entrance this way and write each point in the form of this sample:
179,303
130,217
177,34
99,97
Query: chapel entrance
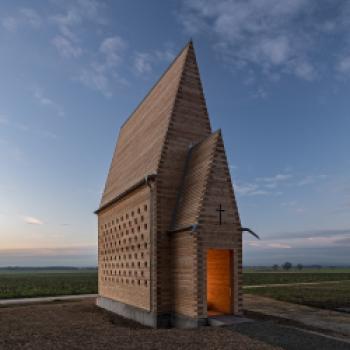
219,293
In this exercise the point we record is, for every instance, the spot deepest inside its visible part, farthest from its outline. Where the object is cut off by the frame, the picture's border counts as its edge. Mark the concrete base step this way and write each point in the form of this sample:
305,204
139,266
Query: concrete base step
227,320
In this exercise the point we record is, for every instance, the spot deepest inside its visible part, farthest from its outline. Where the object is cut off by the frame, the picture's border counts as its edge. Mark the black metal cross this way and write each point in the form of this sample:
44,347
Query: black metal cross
220,210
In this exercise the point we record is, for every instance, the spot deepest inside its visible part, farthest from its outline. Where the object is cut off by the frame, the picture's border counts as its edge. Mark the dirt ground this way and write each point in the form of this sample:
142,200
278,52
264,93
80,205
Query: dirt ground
81,325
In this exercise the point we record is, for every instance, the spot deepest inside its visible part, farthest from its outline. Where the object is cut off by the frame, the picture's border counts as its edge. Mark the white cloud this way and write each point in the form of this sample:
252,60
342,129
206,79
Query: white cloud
10,23
24,17
112,48
99,74
46,101
96,79
66,47
145,61
276,178
250,189
343,65
279,245
305,70
271,37
254,244
32,221
31,17
311,179
74,14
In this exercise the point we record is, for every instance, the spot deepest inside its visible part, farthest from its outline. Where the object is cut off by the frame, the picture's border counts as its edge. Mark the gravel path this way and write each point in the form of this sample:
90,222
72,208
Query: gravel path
18,301
332,321
288,338
81,325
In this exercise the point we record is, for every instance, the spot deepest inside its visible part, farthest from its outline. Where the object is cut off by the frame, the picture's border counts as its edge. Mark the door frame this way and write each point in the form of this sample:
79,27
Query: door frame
233,277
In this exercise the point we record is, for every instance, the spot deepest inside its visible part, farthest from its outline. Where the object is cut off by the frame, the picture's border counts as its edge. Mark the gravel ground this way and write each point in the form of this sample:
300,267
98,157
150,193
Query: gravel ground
288,338
81,325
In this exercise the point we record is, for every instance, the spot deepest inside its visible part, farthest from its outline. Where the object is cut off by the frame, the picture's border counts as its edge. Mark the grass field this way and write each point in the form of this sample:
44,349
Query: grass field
324,295
26,284
21,283
258,278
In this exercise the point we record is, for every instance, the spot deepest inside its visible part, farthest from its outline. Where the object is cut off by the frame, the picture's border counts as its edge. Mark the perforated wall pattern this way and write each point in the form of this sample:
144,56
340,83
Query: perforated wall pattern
124,246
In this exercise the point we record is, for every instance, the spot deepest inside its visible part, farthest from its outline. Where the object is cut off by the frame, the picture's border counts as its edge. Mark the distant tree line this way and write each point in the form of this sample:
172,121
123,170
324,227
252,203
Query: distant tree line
287,266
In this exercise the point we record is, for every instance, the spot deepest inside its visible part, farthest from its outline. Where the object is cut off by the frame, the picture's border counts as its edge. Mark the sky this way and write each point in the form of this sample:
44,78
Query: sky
276,76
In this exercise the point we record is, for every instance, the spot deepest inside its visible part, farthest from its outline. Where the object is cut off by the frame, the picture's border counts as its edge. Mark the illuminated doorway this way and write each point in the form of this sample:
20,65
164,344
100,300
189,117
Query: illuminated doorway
219,299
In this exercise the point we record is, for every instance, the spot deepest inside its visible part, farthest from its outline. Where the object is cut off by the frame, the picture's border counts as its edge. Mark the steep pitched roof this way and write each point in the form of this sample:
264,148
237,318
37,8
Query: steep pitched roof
142,136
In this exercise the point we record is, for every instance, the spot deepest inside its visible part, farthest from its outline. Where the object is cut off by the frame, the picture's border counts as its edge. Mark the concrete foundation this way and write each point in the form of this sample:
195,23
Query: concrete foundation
148,318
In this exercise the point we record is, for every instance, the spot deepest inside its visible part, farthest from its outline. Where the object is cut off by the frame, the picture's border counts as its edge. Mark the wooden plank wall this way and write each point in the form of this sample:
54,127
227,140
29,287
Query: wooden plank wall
224,236
189,125
184,271
124,246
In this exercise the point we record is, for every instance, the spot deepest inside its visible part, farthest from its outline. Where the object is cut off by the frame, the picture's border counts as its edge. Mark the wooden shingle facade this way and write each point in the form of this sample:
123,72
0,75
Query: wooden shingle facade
169,233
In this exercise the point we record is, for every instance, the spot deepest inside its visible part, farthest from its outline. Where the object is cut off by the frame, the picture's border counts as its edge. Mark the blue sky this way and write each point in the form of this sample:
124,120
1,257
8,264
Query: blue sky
276,77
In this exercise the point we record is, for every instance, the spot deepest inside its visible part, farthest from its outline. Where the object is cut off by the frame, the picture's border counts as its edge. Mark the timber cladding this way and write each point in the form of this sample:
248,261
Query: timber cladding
168,201
124,250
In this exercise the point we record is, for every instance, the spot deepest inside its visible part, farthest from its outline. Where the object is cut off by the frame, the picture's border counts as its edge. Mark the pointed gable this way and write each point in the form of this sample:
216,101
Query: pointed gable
206,184
219,191
141,138
196,174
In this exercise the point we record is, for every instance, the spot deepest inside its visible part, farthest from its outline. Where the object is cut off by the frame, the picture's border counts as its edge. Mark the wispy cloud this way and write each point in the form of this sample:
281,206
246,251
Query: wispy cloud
9,23
269,37
263,185
65,47
98,69
279,245
343,66
145,61
249,189
274,185
311,179
40,96
32,220
329,233
31,17
112,48
276,178
100,73
4,120
23,17
69,22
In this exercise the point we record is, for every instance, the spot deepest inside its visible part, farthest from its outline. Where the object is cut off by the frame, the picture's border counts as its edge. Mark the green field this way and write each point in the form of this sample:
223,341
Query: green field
324,295
21,283
259,278
32,283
